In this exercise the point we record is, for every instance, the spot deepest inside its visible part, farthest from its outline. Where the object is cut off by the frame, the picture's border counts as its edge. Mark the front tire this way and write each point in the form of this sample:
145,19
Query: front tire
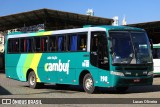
32,81
88,84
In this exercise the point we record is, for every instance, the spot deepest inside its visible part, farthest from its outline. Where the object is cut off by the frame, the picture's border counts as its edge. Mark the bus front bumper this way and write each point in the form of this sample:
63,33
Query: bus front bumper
133,81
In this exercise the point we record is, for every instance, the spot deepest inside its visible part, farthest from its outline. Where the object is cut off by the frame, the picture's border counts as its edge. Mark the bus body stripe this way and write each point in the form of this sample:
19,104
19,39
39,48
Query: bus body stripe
20,65
47,33
27,63
35,63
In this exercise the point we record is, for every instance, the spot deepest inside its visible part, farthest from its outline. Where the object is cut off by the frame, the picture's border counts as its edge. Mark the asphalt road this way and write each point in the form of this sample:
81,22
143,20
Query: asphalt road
10,88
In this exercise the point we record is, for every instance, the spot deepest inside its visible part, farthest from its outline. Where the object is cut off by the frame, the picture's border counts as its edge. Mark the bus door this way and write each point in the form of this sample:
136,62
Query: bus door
99,53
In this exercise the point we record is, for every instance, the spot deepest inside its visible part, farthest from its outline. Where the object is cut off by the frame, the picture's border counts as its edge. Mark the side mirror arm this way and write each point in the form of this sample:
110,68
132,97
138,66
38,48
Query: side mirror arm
151,43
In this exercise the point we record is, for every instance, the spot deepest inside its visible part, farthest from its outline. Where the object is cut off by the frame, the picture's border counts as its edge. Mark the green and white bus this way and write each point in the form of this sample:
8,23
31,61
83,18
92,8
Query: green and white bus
104,56
156,59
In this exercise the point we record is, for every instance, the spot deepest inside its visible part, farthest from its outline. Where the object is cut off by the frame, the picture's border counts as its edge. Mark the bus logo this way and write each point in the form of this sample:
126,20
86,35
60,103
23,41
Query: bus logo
57,67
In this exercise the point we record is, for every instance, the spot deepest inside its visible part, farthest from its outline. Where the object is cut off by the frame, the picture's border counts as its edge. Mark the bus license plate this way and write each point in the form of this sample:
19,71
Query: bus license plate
136,80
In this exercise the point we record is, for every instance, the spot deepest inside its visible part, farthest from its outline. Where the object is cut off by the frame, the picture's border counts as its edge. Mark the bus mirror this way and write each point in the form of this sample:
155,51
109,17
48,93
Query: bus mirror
151,43
111,50
109,38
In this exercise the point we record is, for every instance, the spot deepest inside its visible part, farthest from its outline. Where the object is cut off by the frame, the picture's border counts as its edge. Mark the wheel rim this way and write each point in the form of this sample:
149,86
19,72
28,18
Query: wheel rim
88,83
32,80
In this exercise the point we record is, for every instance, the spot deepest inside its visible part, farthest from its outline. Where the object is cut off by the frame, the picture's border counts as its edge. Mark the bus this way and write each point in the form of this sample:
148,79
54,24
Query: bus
156,59
92,57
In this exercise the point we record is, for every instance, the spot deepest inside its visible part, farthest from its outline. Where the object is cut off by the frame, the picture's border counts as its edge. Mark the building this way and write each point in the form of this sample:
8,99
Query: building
1,43
152,28
90,12
116,21
44,19
124,22
51,19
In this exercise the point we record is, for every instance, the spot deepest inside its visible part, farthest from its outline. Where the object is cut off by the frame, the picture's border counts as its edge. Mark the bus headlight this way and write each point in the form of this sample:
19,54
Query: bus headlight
117,73
150,73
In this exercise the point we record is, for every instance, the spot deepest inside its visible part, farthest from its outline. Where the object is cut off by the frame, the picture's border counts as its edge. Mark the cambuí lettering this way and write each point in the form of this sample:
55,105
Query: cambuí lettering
57,67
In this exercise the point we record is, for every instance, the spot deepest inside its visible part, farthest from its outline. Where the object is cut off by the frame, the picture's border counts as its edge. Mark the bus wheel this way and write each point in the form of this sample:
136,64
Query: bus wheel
122,89
32,81
88,84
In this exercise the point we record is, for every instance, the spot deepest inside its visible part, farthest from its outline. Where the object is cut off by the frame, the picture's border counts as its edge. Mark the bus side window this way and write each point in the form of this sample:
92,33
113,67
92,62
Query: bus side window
26,45
29,44
9,46
16,45
62,43
13,46
22,45
158,53
154,52
82,42
44,44
52,44
37,46
73,43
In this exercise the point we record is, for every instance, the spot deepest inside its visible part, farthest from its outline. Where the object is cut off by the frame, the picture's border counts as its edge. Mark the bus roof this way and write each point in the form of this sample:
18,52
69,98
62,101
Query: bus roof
123,28
85,28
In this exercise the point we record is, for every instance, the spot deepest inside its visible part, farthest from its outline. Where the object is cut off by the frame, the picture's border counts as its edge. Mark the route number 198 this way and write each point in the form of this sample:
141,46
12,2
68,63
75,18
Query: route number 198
103,78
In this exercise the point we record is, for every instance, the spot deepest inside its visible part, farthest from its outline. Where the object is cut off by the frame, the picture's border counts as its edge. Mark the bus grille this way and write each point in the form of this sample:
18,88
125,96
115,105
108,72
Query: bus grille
133,72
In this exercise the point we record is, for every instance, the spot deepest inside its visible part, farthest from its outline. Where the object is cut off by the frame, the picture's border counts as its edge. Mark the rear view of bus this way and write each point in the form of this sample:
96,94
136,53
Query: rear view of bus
156,59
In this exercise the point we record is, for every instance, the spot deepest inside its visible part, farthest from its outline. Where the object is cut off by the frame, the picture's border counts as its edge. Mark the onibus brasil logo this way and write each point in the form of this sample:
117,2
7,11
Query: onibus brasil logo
59,66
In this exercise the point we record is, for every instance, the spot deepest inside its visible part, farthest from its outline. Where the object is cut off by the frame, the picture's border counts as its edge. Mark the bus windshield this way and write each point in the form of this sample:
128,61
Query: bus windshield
130,48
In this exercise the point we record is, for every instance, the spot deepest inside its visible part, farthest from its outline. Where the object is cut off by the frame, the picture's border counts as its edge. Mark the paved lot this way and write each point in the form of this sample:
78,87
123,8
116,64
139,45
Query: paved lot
15,89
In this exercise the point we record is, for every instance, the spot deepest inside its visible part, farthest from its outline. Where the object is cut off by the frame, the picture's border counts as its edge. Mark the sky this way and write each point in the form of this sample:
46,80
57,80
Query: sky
135,11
